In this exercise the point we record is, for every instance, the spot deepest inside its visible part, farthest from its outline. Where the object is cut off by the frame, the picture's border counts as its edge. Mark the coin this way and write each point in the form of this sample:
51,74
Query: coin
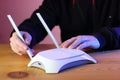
18,74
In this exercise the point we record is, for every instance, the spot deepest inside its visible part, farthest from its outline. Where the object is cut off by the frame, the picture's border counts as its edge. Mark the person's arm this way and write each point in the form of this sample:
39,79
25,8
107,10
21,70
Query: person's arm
109,38
33,26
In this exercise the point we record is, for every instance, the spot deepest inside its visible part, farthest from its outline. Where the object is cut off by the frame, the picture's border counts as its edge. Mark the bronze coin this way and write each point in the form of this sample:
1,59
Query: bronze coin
17,74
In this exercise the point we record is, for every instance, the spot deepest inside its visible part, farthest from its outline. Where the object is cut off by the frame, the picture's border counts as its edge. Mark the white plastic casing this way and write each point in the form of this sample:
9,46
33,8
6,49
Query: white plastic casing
56,60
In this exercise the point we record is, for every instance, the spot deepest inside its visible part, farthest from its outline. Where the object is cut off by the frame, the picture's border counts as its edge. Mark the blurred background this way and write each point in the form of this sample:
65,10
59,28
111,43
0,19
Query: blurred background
19,10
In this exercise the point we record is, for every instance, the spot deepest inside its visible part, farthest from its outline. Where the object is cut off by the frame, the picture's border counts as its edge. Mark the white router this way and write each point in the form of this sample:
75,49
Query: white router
56,60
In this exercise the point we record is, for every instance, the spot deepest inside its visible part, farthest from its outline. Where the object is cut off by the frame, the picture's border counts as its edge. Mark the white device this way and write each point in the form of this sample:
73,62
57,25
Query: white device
56,60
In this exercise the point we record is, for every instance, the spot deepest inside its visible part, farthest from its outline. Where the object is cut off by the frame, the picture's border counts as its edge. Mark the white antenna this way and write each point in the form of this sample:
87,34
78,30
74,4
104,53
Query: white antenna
19,35
48,30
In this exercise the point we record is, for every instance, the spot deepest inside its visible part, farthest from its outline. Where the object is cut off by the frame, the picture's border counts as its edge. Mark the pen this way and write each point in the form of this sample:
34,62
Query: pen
30,54
48,30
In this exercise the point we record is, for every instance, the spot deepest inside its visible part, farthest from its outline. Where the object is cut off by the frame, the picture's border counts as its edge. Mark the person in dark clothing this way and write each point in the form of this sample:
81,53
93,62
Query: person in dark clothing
83,24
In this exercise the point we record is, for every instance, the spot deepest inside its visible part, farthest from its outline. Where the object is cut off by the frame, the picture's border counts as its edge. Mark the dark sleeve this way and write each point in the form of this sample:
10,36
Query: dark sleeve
109,38
33,26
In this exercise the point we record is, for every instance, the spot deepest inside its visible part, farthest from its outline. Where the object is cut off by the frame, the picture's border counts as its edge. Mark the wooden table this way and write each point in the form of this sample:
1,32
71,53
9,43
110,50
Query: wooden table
107,68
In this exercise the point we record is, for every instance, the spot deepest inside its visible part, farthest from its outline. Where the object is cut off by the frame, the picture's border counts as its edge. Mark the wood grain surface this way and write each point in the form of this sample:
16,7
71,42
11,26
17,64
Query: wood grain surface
107,68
